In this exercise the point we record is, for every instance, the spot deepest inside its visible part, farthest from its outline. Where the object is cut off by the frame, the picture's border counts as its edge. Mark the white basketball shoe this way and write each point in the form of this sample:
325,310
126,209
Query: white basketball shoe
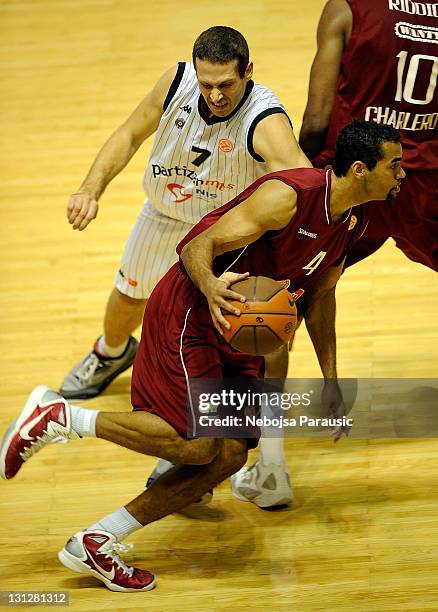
264,485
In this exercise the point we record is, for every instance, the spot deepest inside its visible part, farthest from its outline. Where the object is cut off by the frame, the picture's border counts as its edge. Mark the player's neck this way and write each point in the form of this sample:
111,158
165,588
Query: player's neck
343,195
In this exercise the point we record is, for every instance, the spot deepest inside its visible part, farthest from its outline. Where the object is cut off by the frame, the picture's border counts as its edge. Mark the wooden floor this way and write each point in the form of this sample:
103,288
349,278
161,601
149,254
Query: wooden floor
363,531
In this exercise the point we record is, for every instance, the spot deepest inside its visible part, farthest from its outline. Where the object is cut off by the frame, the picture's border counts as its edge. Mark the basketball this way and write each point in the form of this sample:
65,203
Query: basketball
268,317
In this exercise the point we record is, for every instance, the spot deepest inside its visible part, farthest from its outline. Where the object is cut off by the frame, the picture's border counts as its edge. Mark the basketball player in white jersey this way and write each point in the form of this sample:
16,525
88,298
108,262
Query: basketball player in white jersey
216,131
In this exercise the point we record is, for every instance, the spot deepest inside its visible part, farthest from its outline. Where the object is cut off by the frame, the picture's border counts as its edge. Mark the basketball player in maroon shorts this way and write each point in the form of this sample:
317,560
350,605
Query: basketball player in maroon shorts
312,219
378,61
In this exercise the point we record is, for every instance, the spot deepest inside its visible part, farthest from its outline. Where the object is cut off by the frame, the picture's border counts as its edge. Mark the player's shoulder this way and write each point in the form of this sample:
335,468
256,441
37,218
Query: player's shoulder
183,72
180,80
302,178
262,93
338,12
189,67
186,72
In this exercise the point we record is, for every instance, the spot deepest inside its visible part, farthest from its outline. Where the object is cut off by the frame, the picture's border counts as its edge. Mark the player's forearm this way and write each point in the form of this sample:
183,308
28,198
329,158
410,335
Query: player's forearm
320,322
197,257
110,160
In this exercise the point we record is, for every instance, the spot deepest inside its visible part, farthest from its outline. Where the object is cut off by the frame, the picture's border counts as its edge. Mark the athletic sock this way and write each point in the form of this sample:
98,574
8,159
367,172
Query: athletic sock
120,523
272,449
271,441
84,421
111,351
162,467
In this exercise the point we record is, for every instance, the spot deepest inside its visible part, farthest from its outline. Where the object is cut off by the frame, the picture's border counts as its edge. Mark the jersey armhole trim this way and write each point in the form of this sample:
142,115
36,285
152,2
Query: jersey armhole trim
252,127
175,84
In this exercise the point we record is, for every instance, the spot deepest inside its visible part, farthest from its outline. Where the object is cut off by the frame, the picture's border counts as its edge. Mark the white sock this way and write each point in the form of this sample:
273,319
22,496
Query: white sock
84,421
162,467
271,442
111,351
272,451
120,523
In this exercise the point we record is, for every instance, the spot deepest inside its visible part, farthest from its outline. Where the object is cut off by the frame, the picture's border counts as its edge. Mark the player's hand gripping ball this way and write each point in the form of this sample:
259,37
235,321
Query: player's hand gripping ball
268,318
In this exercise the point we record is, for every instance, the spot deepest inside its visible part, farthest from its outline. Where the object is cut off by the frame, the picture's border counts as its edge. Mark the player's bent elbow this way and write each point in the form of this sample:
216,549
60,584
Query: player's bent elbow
188,251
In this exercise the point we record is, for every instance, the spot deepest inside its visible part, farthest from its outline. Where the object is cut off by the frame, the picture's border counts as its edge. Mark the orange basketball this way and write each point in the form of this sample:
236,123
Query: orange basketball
268,318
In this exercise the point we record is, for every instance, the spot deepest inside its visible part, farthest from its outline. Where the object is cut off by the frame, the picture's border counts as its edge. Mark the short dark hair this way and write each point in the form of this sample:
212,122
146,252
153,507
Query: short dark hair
361,141
220,45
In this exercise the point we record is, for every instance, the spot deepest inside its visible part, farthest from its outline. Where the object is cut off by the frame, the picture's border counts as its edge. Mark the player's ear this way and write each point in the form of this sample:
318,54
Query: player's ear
358,168
249,71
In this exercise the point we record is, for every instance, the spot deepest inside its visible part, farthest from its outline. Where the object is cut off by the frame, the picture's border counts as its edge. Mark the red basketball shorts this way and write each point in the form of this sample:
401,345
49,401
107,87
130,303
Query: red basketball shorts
179,342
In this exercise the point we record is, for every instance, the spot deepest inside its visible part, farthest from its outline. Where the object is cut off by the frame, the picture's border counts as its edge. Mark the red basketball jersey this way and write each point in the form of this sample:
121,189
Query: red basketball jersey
306,247
389,75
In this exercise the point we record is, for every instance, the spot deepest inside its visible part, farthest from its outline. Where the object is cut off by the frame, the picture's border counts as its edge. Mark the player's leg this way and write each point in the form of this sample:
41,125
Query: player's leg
123,315
149,434
95,549
272,442
277,363
47,418
148,254
161,467
271,460
185,483
266,482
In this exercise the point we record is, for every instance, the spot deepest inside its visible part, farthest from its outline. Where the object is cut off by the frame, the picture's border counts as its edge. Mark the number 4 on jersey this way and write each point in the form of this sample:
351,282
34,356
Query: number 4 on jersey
312,265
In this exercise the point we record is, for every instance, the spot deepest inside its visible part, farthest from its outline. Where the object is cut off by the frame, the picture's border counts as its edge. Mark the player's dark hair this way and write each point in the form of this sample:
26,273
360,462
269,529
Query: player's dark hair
220,45
361,141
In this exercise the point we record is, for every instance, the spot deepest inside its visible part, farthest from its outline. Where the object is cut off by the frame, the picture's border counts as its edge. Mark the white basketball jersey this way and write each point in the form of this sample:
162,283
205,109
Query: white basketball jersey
198,162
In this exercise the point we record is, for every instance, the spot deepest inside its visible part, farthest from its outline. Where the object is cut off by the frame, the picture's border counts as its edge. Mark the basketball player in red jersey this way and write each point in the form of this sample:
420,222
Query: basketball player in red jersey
312,219
216,132
378,61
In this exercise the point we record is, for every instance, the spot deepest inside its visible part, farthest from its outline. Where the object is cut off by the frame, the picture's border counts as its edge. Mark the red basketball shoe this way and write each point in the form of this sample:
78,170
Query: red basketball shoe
95,553
44,419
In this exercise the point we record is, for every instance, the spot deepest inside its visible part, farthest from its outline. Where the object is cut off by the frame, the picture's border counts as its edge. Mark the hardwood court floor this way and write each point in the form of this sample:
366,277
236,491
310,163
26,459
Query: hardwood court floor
363,531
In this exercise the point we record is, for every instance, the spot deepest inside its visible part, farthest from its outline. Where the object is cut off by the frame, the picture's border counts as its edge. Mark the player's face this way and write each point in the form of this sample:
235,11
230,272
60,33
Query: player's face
221,85
386,177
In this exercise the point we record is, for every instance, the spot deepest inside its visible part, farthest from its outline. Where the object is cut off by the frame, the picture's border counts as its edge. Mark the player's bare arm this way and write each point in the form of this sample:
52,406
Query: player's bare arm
237,228
319,315
274,140
117,151
334,30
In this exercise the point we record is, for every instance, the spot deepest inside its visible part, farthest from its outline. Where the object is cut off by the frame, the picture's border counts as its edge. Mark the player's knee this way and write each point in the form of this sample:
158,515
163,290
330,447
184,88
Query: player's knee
200,451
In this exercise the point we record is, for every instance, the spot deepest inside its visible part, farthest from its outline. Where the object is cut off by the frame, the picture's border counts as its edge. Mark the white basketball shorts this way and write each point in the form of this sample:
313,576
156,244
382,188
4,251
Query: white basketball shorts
149,252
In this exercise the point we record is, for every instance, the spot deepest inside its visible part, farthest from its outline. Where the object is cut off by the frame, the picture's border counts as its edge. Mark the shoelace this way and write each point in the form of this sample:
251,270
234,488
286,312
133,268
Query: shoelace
88,368
38,443
48,438
112,554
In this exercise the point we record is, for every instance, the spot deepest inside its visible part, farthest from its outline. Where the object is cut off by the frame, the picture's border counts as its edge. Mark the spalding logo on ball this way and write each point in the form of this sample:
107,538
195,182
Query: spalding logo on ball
268,318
